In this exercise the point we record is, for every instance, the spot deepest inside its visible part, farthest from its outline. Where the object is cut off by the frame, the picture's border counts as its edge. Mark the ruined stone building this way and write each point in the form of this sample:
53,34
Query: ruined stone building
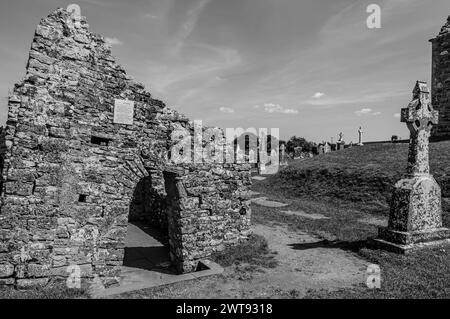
73,176
440,81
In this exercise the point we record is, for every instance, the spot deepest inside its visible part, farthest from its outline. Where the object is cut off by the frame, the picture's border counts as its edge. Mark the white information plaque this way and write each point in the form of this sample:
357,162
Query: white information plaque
123,111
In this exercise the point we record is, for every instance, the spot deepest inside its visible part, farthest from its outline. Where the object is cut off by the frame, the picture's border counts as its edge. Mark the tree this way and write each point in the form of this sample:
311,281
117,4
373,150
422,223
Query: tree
295,141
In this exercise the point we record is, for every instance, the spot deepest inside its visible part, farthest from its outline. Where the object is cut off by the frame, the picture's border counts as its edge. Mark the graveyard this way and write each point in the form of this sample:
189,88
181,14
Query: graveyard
92,180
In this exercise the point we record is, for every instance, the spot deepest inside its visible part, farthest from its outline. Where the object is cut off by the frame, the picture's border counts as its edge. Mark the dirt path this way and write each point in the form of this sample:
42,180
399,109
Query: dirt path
302,266
305,265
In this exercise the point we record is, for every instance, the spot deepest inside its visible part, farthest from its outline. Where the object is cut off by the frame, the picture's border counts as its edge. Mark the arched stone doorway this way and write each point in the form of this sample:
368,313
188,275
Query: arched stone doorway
147,238
152,235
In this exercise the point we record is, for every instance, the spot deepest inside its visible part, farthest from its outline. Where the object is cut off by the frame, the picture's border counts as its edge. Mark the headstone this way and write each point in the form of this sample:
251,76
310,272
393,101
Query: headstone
340,143
272,166
326,148
360,134
239,154
251,156
123,112
297,152
283,159
261,168
322,149
415,219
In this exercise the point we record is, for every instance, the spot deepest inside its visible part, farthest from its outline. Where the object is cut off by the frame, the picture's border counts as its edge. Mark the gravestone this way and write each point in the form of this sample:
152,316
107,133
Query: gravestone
340,144
326,148
360,136
239,155
322,149
251,156
297,152
283,159
415,219
272,166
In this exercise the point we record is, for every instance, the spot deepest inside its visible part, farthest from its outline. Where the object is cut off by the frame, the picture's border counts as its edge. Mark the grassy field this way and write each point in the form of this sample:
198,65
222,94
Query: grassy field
348,186
53,290
358,174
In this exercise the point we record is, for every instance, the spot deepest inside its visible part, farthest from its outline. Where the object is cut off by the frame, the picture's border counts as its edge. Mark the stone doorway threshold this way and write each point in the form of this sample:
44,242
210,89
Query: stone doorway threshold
147,263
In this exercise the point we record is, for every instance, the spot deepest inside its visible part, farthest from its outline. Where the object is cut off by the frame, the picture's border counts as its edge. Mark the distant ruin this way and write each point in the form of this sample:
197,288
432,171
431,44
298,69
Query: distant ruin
76,171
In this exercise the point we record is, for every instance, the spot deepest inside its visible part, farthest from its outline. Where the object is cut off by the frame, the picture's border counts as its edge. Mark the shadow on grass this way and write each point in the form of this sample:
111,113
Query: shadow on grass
354,246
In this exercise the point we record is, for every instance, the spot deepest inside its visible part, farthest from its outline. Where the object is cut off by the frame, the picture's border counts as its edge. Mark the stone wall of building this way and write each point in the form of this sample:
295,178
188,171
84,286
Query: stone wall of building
440,87
73,178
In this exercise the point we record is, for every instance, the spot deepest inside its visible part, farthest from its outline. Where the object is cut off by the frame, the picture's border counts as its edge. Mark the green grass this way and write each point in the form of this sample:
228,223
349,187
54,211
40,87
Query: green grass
425,274
347,186
56,290
364,174
418,276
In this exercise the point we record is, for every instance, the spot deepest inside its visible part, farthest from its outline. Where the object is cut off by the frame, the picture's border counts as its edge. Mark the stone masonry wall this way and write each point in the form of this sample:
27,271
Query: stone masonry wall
440,88
72,178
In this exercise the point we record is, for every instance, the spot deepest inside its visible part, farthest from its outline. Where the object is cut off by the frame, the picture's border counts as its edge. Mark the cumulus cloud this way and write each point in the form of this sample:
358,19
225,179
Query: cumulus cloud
366,112
276,108
226,110
113,41
318,95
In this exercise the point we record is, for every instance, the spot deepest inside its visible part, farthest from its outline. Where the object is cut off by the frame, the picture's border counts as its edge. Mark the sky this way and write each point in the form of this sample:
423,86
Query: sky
311,68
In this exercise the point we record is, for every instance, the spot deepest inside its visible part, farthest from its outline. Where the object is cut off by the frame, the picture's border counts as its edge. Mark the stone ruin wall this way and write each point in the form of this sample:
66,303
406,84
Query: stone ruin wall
440,84
72,178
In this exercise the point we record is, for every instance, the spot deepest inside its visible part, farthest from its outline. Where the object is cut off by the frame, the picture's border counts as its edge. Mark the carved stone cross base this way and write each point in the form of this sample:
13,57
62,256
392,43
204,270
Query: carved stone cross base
416,216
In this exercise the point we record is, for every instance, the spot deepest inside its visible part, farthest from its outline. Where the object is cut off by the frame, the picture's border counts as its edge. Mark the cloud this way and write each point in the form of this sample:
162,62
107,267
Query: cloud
188,26
226,110
363,97
113,41
151,16
276,108
318,95
366,112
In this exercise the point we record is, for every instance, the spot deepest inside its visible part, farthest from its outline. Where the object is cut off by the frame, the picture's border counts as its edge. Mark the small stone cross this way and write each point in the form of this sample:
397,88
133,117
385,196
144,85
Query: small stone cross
420,117
283,153
360,133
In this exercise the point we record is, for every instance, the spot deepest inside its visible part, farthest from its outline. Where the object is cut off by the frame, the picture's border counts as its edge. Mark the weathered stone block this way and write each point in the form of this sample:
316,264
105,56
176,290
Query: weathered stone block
416,204
6,270
31,283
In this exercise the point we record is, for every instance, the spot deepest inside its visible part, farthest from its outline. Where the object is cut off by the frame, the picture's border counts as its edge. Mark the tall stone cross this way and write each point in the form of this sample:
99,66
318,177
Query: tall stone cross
420,117
415,219
360,133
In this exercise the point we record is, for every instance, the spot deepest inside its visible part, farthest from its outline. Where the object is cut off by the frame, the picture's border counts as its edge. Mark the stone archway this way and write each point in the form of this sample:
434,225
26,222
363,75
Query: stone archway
152,235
